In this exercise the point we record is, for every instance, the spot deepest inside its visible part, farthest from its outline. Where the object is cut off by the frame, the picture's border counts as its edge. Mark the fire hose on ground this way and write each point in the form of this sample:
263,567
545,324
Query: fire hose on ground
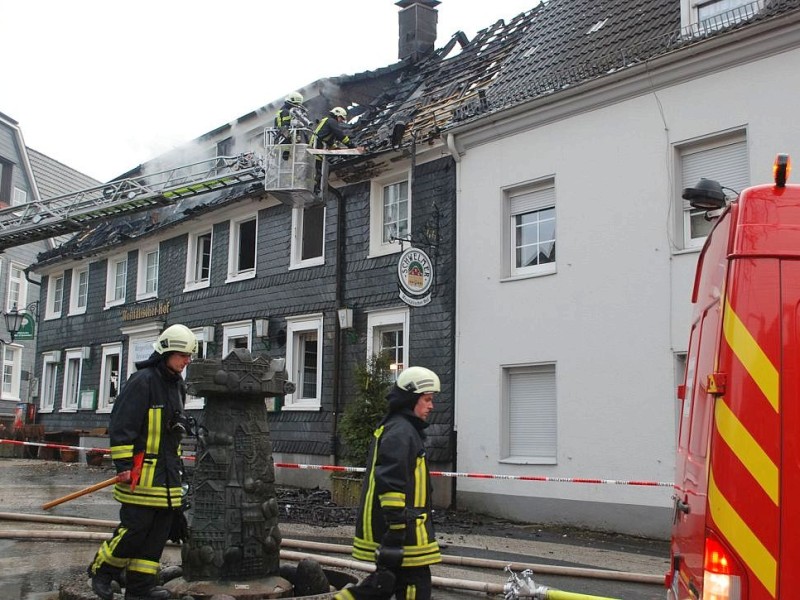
538,591
524,584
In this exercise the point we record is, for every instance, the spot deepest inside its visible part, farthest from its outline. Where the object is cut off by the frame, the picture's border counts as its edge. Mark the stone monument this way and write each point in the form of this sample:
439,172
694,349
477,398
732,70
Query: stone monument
234,532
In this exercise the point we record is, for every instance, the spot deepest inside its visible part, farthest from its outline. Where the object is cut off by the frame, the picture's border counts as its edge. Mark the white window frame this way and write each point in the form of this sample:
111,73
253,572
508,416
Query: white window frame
298,236
377,247
235,272
19,197
14,377
296,328
236,330
722,157
197,402
49,381
55,296
377,322
114,263
72,375
193,264
529,425
140,344
79,292
146,277
17,287
533,197
105,400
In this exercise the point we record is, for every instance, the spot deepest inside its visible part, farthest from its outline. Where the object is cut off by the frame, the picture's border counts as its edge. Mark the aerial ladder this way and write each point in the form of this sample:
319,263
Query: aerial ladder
287,167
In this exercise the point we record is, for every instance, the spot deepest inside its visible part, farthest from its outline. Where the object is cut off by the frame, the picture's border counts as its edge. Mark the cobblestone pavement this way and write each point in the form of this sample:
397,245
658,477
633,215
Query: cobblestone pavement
33,569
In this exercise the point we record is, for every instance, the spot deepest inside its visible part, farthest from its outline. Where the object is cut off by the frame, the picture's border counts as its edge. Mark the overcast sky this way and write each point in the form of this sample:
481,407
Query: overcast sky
104,85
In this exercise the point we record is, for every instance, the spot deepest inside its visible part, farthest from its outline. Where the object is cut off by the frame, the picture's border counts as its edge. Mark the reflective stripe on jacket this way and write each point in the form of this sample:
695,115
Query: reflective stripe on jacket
327,133
140,421
397,494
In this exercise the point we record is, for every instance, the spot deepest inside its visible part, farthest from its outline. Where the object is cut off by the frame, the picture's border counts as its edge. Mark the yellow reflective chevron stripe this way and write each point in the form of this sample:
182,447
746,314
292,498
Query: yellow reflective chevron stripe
393,500
411,592
156,497
370,496
741,537
152,445
121,452
140,565
420,489
106,552
750,354
422,531
747,450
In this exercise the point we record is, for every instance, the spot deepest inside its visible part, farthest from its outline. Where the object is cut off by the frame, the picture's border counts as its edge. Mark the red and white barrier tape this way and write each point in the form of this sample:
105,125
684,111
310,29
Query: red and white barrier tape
343,469
338,468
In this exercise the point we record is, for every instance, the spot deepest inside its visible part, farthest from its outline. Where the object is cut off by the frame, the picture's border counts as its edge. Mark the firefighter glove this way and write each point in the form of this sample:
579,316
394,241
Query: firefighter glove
394,538
179,531
390,557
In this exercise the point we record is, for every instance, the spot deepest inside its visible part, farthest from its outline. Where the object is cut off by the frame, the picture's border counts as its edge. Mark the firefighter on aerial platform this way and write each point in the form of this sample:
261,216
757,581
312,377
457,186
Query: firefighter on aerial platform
292,116
394,526
147,424
329,134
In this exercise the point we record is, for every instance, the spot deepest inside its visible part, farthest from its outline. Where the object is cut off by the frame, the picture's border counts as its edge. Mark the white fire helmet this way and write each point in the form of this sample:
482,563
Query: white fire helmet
176,338
295,98
339,112
418,380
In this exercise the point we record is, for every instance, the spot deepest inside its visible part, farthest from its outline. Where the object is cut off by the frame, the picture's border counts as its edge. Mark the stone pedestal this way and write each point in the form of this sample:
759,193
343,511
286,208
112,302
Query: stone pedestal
234,532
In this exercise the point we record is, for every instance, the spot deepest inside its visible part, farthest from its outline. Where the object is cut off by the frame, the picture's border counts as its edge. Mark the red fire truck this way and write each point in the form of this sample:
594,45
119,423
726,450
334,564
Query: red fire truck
736,531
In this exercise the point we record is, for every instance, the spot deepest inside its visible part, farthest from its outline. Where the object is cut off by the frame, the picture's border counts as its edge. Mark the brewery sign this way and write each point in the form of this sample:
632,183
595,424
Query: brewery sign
415,272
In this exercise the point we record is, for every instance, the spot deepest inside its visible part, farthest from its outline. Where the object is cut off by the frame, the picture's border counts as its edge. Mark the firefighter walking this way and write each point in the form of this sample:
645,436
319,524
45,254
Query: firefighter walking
147,423
394,527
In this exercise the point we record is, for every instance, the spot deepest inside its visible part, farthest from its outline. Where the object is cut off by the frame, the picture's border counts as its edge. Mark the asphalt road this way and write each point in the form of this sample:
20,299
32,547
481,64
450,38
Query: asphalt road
32,569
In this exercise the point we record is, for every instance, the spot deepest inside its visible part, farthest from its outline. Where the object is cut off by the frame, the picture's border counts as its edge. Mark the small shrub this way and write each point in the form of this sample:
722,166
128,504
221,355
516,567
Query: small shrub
365,410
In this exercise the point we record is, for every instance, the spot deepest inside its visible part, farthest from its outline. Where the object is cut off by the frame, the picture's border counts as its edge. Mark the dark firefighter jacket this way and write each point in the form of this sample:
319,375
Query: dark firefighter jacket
328,132
147,406
397,493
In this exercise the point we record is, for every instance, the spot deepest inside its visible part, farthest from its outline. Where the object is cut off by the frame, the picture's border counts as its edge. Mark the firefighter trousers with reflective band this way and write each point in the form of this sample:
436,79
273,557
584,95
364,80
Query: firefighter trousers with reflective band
136,547
412,583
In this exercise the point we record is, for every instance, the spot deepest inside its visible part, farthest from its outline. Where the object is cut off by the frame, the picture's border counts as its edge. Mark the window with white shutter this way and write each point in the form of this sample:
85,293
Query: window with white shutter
529,414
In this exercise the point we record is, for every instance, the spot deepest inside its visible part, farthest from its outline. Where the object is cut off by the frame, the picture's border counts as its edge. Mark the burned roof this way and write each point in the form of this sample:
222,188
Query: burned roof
570,42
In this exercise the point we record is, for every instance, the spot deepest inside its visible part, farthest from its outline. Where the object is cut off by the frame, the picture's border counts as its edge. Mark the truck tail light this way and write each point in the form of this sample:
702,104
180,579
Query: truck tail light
722,573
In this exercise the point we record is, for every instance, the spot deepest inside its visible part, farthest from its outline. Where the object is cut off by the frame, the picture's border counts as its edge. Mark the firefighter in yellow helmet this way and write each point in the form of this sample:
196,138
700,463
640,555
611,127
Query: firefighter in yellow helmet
394,527
147,423
329,133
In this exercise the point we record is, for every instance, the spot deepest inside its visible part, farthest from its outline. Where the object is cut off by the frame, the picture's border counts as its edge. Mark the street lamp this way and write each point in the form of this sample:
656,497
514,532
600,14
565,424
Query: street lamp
15,319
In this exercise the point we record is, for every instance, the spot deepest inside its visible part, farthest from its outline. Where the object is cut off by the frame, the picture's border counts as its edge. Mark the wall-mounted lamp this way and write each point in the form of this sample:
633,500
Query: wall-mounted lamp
86,353
262,331
208,333
262,328
345,317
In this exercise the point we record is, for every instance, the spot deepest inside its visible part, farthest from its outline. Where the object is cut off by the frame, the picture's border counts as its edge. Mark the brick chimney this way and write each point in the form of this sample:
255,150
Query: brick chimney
418,20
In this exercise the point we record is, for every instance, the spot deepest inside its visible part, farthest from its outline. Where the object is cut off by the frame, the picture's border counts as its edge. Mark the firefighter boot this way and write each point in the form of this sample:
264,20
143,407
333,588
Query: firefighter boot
101,585
154,593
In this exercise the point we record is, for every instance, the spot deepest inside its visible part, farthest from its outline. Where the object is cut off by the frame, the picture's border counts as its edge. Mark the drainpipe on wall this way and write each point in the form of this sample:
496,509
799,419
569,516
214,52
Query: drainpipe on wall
453,150
337,335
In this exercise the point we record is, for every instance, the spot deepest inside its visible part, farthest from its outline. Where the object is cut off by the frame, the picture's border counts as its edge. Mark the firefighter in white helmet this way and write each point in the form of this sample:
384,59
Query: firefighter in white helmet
292,121
394,528
147,423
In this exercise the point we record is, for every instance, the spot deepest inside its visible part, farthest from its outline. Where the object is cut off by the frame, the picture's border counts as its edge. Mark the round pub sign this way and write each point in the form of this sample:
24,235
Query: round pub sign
415,272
